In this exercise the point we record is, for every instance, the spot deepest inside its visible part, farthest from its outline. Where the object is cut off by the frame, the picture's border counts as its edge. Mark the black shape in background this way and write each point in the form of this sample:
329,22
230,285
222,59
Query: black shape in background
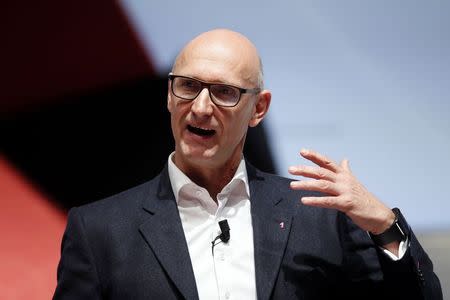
88,146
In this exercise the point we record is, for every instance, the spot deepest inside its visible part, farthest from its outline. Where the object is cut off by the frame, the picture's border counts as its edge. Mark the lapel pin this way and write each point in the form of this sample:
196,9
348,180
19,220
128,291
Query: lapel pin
282,225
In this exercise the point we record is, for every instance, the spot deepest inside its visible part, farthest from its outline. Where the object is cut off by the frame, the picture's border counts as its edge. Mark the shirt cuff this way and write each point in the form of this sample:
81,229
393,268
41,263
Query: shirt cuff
401,251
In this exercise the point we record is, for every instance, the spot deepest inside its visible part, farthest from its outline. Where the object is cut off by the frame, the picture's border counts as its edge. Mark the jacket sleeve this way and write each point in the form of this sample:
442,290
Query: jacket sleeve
412,272
77,276
411,277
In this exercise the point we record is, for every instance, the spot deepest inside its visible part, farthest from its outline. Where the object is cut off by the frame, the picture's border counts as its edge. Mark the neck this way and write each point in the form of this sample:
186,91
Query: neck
213,178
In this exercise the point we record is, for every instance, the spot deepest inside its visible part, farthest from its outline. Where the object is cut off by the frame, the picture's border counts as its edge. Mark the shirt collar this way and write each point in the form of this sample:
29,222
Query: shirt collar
178,179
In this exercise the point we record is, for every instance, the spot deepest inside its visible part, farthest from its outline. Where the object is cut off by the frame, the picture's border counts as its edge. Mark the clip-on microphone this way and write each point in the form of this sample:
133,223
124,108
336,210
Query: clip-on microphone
224,236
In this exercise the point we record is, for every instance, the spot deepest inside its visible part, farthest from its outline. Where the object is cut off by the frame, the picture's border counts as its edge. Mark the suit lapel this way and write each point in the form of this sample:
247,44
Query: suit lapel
164,234
271,220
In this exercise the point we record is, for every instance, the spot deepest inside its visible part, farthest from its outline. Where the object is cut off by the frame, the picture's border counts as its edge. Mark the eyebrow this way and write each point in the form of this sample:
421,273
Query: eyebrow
216,81
243,86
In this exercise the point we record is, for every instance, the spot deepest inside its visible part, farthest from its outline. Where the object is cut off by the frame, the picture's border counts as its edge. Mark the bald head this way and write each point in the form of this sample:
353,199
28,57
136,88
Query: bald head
218,51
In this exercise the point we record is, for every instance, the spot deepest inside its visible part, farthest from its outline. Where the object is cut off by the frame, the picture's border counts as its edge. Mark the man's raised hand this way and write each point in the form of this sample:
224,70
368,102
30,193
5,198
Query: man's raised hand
342,191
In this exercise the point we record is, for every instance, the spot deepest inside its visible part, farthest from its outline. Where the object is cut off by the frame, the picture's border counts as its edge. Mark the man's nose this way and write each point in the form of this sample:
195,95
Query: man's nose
202,105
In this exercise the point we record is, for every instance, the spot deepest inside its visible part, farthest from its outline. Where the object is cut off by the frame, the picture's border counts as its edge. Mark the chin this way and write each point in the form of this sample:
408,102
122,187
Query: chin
197,154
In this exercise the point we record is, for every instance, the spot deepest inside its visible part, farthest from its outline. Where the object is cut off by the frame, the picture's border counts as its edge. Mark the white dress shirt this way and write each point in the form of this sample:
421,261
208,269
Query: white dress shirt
230,273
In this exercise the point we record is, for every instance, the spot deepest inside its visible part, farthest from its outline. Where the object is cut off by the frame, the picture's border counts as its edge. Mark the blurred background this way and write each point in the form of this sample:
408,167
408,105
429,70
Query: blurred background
83,107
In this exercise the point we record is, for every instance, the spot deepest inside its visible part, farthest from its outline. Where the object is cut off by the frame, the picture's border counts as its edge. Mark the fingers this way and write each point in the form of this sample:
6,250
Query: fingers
320,185
345,164
325,202
319,159
313,172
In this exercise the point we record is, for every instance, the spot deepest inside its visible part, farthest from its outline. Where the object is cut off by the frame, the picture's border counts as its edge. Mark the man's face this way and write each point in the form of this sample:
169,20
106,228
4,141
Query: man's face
207,135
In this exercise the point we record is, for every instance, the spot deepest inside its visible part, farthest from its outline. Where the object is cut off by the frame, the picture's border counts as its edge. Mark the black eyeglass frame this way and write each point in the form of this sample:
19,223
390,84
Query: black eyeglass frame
208,85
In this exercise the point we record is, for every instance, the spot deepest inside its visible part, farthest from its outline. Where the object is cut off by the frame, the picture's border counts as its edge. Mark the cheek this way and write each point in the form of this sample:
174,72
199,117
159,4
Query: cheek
176,116
177,110
245,117
238,125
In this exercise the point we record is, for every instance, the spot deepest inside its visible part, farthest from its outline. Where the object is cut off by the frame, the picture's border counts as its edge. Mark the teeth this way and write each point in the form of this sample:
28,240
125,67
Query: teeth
202,128
201,131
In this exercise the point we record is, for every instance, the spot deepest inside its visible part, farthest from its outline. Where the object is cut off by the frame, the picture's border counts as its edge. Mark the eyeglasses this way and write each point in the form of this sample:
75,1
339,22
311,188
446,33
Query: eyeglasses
188,88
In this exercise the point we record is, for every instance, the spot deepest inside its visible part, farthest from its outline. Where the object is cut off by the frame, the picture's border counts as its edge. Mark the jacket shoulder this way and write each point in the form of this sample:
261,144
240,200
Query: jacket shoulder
118,206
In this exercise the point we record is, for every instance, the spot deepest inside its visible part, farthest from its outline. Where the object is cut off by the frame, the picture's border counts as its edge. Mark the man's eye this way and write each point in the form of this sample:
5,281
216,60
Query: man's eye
225,91
188,84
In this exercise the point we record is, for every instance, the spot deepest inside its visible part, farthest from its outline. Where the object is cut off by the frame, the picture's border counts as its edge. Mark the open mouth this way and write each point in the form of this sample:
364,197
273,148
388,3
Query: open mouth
201,131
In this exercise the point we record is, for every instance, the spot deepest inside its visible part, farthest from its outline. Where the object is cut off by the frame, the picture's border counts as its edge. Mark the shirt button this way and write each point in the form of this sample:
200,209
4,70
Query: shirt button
222,257
227,295
198,193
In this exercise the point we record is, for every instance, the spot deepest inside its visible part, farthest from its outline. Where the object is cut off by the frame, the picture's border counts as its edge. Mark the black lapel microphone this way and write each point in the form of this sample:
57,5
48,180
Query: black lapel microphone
224,236
225,229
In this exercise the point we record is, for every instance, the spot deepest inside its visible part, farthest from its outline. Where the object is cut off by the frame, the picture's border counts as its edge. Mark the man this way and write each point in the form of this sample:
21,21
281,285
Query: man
158,240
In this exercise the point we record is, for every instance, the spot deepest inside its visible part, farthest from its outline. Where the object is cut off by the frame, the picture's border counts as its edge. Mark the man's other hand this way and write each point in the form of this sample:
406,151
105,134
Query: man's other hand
342,191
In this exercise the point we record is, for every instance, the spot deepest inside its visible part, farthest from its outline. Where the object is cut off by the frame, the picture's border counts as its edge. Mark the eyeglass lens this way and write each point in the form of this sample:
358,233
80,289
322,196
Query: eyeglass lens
189,89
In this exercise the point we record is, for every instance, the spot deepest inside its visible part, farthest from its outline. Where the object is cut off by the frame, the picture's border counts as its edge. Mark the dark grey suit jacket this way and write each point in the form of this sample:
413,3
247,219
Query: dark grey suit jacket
132,246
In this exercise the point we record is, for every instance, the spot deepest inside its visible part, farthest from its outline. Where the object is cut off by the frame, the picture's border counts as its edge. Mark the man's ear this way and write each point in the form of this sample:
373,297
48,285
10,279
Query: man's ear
261,107
169,98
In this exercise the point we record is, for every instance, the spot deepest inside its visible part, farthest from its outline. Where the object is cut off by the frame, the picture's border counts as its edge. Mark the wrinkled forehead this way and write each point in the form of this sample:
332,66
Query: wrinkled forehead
230,61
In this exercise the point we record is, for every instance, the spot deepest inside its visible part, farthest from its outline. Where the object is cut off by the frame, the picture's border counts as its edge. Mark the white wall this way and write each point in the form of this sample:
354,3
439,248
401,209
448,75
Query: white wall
369,81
